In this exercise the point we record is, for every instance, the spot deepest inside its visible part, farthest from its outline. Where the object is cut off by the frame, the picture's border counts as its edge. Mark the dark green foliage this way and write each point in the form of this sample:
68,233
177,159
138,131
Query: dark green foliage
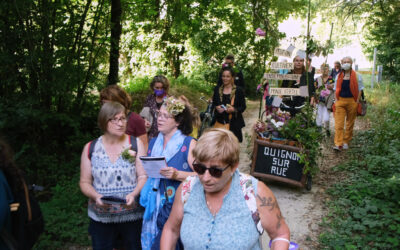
66,217
383,27
302,128
364,211
55,59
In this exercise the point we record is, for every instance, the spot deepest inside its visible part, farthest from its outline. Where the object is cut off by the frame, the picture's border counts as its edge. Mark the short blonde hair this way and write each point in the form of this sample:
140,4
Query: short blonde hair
107,112
219,145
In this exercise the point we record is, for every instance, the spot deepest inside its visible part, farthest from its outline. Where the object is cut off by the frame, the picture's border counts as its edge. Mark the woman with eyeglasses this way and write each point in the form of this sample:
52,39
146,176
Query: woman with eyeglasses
159,86
110,168
174,121
221,208
135,124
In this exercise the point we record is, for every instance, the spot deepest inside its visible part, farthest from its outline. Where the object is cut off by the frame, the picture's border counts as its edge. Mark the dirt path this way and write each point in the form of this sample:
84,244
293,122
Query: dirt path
302,209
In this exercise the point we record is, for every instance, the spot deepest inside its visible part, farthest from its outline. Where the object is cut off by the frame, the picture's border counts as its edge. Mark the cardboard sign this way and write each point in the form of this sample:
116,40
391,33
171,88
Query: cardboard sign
274,76
284,91
282,65
277,161
282,52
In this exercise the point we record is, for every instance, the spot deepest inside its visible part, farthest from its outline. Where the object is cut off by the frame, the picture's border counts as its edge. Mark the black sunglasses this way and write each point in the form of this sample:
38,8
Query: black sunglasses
214,171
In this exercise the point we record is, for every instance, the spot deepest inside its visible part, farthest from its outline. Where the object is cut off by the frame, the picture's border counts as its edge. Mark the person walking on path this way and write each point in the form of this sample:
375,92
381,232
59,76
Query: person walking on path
348,88
113,169
135,123
325,89
230,62
174,122
221,208
229,103
160,86
336,70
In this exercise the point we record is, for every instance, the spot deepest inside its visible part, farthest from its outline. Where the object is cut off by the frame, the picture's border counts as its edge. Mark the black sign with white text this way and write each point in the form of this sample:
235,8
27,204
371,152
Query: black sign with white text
278,160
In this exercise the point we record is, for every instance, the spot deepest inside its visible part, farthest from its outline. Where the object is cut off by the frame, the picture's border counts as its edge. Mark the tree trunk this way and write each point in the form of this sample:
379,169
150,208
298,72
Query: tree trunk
115,38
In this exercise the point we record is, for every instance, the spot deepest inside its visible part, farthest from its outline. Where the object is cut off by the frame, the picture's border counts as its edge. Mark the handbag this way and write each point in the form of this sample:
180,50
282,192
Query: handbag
362,108
330,100
162,218
226,125
221,125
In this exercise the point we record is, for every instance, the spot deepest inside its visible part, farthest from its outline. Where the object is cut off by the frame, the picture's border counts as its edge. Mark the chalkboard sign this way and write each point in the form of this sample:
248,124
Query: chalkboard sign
278,162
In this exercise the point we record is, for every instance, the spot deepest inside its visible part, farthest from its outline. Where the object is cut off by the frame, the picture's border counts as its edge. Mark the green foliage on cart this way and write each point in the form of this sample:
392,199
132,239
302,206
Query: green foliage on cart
302,128
364,208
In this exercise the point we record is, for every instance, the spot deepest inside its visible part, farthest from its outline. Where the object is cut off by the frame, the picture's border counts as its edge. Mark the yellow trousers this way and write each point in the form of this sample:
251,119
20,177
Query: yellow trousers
345,113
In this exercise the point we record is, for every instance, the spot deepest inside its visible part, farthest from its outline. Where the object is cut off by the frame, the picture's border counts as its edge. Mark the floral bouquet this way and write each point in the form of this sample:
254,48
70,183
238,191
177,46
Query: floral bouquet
272,125
323,92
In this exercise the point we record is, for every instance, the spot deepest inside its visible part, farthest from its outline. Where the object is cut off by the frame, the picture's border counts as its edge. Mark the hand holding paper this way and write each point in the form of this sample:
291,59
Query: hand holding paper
153,166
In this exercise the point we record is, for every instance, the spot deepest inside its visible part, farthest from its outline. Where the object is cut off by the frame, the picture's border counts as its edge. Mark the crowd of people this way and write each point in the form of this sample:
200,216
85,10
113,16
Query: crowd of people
336,90
200,190
157,213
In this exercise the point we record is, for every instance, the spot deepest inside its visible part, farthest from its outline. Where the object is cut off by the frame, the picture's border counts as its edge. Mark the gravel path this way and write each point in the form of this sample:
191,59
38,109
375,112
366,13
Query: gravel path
303,210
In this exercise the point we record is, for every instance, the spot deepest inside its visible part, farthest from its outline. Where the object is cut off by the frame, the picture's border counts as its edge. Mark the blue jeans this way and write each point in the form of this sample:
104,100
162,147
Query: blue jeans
105,236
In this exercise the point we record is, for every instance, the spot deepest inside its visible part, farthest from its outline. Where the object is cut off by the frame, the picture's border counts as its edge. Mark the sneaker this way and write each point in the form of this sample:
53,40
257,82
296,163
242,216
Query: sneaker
337,148
345,146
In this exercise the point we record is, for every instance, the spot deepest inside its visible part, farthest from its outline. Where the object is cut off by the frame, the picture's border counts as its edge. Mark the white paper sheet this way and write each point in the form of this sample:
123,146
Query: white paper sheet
153,165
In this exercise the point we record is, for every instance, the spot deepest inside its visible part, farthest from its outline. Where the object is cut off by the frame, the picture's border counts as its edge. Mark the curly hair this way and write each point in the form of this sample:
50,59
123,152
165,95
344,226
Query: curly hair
13,174
162,79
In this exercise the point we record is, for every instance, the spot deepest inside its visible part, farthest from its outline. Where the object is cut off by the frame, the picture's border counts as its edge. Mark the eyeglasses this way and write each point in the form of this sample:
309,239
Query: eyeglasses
215,171
116,120
163,115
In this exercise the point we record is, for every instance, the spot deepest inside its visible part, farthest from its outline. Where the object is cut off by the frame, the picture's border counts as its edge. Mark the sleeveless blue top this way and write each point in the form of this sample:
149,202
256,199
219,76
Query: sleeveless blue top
231,228
178,161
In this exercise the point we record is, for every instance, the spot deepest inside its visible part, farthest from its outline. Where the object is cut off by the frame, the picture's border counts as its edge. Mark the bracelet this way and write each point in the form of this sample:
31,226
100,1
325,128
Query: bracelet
280,239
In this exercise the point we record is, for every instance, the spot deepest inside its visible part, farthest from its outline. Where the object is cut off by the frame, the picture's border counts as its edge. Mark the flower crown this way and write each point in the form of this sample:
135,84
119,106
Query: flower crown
174,106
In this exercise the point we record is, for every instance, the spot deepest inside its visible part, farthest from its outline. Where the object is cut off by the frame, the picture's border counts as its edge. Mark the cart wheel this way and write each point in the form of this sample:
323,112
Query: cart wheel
309,182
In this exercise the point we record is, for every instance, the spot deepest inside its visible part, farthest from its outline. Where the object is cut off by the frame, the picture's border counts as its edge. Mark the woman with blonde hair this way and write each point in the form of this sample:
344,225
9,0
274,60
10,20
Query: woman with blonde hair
221,208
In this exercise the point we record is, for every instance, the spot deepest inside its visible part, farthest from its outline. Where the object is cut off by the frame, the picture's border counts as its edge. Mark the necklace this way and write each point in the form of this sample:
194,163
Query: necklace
210,208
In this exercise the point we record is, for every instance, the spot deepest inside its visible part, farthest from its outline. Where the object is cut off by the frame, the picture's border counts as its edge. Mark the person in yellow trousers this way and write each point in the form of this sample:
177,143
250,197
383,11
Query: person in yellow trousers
348,92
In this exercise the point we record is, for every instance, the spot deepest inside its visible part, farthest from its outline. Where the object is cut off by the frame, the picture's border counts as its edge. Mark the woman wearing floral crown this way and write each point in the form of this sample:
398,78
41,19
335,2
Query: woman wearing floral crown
174,122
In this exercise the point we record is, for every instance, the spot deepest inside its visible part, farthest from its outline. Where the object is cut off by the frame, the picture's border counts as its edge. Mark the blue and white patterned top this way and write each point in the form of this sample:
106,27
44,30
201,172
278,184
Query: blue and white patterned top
232,227
117,179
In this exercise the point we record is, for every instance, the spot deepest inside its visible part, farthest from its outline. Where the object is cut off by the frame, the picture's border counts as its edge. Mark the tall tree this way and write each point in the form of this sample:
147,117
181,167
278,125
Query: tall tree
116,29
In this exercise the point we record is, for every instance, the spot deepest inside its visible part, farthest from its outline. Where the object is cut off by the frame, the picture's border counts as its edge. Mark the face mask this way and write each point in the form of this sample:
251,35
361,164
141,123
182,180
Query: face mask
159,92
346,66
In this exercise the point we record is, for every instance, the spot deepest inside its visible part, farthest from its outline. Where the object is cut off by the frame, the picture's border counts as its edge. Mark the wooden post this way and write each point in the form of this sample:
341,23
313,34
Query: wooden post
373,70
380,68
329,44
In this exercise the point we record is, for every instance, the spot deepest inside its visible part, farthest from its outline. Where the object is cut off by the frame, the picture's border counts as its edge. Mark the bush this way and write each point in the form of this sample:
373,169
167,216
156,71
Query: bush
364,211
66,219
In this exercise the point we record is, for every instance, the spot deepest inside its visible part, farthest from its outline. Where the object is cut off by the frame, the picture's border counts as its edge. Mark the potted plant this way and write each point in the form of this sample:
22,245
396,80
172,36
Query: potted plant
303,129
